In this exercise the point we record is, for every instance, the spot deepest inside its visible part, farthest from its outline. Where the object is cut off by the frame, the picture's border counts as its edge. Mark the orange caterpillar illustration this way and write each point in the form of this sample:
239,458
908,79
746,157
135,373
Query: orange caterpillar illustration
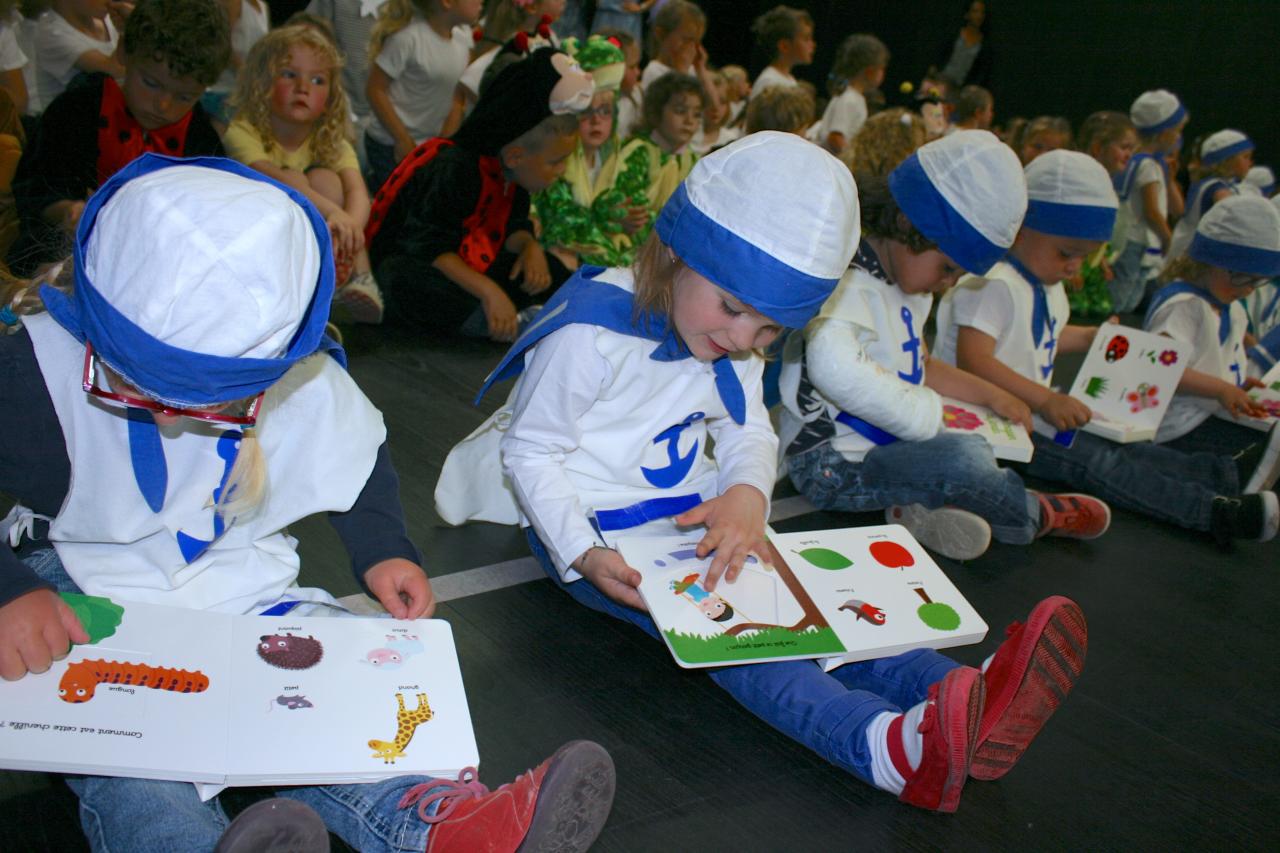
82,678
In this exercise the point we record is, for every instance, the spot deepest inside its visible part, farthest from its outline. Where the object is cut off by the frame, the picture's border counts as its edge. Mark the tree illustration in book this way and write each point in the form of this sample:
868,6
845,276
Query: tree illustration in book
936,614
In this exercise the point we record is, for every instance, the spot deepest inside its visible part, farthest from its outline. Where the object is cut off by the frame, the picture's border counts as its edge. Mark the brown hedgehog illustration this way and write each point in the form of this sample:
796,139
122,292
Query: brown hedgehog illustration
290,652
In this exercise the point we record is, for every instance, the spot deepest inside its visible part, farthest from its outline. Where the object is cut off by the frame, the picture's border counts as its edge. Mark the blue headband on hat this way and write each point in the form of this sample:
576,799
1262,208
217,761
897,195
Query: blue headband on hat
1085,221
1172,121
1213,158
1234,257
935,218
777,290
168,373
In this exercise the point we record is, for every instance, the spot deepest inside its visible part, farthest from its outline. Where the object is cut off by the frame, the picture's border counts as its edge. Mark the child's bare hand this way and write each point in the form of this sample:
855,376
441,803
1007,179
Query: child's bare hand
1238,402
1252,382
403,149
532,261
35,630
636,218
610,574
348,236
70,220
1065,412
700,57
735,528
1011,408
402,588
500,312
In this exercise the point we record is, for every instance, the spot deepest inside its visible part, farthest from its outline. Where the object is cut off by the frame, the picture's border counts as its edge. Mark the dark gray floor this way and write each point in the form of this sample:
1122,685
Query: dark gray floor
1170,741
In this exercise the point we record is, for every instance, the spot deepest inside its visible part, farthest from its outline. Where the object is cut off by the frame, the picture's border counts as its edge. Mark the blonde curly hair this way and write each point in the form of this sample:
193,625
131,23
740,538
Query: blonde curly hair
252,96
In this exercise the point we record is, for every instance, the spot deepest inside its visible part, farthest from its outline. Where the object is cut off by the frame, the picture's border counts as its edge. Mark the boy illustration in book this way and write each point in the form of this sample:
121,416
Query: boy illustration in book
125,408
709,604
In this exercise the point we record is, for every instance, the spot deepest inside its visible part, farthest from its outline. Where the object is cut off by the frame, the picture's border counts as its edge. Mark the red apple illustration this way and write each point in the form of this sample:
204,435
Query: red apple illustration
891,555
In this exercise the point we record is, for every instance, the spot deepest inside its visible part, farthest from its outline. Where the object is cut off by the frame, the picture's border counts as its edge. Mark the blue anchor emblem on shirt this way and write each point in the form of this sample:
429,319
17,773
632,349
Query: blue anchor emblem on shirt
228,446
1049,345
912,345
665,478
1235,368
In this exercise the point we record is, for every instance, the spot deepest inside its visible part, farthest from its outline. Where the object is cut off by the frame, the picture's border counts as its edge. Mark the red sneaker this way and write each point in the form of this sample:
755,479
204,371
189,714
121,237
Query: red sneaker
560,805
950,729
1031,673
1074,516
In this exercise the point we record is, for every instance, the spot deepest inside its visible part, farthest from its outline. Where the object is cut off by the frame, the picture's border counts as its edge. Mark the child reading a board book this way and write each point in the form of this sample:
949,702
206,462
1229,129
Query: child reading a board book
628,373
862,424
1236,249
169,434
1010,326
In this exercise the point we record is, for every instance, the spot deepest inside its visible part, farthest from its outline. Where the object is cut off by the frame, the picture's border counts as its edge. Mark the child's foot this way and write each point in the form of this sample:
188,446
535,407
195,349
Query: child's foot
1259,464
1254,517
1072,515
1027,679
950,531
943,741
560,805
277,825
360,298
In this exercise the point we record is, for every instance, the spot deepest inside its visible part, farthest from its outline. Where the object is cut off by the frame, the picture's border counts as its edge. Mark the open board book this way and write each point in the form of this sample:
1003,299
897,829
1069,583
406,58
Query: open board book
837,595
1268,396
164,693
1008,440
1128,380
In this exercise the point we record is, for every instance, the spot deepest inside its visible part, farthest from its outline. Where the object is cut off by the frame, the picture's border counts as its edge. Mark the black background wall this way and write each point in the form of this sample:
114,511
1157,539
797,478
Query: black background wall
1064,57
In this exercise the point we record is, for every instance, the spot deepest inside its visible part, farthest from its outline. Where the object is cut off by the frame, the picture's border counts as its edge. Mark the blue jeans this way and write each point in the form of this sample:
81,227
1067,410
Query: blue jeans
380,162
1217,436
1129,282
946,470
120,814
1153,479
827,712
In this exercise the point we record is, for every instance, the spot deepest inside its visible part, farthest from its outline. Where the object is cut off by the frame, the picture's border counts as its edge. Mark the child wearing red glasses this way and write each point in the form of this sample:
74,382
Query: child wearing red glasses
152,420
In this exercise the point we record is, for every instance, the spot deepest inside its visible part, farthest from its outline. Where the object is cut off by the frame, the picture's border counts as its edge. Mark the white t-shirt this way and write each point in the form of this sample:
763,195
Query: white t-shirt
1000,305
771,76
57,47
630,108
1148,172
846,114
653,71
353,21
252,25
424,70
1192,320
25,30
11,55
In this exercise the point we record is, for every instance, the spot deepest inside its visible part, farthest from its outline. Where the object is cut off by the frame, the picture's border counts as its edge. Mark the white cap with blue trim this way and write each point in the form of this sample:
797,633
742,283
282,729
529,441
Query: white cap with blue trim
1069,194
1156,110
1263,179
1241,233
964,192
1223,144
772,219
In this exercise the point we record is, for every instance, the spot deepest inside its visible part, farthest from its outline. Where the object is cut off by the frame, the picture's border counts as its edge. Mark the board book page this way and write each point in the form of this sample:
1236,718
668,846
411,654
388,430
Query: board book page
219,699
836,595
1008,440
1128,379
1268,396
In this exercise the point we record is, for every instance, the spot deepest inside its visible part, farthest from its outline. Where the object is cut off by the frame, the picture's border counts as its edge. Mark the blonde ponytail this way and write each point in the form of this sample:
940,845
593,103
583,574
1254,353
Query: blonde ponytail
246,484
393,17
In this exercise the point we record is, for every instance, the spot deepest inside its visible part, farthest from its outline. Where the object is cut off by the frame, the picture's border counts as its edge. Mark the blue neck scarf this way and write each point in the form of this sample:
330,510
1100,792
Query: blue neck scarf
1040,300
1172,289
581,299
1124,181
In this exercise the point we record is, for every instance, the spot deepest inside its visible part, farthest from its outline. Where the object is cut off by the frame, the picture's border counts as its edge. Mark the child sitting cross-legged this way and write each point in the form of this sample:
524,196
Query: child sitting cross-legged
450,235
292,124
1009,328
862,425
752,242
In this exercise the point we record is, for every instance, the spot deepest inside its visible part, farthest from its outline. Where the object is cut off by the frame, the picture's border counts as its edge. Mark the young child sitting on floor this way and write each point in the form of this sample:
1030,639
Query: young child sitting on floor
1225,159
172,50
661,152
1009,328
183,390
752,242
450,233
862,424
74,37
292,125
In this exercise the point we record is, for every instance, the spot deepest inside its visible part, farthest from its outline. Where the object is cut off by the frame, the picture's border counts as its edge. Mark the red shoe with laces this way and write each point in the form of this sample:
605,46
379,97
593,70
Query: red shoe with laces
560,805
950,729
1029,676
1073,516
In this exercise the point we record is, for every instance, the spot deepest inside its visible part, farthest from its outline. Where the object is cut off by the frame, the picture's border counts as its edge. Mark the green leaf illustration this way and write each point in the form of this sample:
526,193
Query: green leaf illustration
99,616
825,558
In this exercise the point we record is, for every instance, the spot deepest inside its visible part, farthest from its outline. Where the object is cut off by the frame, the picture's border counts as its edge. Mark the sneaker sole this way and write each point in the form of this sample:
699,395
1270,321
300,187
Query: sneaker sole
949,531
277,825
1268,470
1271,516
573,800
360,307
962,731
1050,659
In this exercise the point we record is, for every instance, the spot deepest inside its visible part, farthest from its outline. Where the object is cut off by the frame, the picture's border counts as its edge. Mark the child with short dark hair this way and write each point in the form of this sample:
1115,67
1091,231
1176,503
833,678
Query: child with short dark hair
785,35
975,109
661,150
789,109
172,50
860,66
675,44
450,235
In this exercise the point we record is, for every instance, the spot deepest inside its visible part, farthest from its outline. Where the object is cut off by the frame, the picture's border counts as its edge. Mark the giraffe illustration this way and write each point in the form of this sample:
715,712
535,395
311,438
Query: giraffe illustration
406,723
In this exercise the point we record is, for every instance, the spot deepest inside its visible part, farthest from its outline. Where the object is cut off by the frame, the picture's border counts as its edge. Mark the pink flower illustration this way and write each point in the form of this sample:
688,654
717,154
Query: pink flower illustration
954,417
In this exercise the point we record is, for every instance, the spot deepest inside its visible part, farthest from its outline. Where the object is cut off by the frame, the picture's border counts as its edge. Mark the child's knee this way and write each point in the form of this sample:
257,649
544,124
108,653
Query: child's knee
326,182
